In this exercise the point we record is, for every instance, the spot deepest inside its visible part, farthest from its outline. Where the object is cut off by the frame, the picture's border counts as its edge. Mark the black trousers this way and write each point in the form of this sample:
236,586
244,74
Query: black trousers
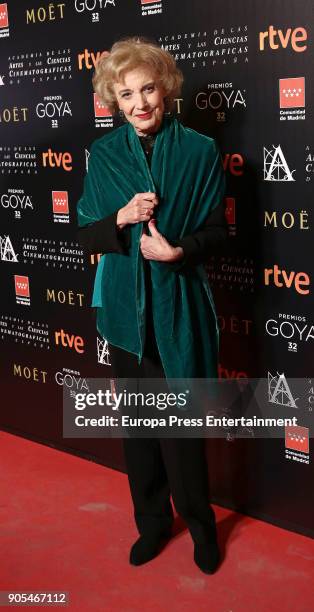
163,467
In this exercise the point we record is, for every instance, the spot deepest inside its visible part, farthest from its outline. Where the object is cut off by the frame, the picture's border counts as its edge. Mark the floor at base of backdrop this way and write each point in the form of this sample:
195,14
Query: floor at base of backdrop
66,525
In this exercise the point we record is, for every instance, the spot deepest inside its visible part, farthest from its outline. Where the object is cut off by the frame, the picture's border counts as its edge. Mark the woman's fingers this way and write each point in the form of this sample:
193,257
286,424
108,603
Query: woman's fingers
141,207
146,213
149,195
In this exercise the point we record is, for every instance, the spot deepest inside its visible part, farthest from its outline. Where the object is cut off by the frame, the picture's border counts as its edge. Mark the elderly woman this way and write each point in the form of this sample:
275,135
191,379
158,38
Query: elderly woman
153,204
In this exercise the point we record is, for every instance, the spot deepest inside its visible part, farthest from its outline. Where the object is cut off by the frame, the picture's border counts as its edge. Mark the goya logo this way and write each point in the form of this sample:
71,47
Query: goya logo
7,252
275,165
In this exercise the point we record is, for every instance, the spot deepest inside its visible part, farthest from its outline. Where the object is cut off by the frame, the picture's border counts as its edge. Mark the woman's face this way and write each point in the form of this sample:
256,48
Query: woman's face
141,99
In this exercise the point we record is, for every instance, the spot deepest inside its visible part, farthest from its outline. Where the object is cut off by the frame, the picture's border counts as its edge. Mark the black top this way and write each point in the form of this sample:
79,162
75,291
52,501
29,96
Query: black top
147,143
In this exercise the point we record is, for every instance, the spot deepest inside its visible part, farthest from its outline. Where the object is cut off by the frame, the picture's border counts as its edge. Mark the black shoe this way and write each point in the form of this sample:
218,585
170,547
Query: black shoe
147,547
206,553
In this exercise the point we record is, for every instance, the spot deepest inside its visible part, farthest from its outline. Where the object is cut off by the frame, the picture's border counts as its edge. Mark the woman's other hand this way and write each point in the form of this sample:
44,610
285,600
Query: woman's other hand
140,208
157,247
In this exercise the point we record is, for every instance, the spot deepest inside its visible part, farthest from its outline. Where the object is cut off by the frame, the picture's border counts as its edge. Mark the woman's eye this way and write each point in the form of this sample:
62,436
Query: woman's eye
150,88
125,95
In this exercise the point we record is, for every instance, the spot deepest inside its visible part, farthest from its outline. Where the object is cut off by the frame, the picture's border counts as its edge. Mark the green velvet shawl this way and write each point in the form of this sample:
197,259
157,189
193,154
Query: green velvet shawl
187,175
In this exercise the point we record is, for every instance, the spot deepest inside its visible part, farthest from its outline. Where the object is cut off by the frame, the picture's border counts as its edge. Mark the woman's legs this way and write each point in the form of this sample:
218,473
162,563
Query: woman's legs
148,485
186,467
159,467
145,468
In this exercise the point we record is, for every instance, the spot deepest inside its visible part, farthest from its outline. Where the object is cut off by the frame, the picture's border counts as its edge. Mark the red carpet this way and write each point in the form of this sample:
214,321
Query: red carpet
66,525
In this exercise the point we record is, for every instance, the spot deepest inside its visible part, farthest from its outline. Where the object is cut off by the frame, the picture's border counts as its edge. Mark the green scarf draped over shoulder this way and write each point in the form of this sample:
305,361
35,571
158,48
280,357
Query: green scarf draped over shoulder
187,175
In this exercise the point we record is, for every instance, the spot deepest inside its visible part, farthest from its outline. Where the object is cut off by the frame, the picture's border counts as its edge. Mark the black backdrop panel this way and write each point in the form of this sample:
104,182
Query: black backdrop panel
247,69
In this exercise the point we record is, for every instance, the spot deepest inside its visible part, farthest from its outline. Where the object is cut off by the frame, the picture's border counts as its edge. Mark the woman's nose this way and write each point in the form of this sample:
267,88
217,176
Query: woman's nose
141,100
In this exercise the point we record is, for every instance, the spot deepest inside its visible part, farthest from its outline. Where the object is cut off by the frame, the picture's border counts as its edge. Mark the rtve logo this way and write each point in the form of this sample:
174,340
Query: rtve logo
56,160
281,278
223,372
233,162
69,341
281,39
88,59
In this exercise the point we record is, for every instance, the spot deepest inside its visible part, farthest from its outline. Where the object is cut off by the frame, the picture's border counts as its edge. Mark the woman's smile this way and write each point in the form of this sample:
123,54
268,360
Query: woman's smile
145,115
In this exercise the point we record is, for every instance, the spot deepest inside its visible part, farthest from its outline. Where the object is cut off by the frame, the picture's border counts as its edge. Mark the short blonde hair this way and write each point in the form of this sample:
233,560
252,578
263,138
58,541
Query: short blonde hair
130,53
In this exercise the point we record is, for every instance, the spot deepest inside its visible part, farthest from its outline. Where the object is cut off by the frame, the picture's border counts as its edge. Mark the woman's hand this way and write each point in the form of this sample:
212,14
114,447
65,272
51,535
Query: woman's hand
140,208
157,247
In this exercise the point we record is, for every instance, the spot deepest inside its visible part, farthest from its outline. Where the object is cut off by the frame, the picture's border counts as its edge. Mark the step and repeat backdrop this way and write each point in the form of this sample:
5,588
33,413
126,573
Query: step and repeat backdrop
248,83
